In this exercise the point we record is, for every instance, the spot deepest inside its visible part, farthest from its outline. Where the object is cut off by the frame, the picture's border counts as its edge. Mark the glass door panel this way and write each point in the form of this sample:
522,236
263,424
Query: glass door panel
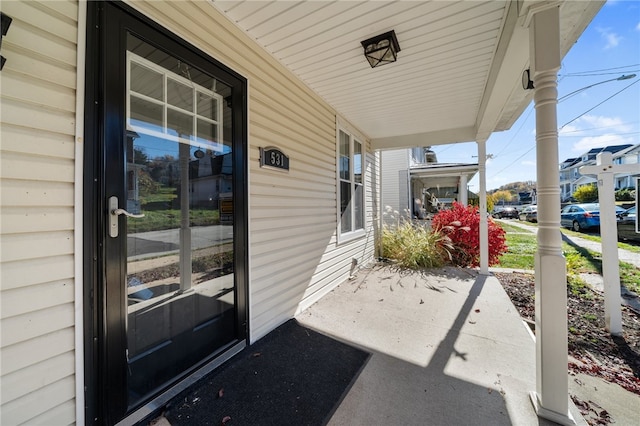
180,284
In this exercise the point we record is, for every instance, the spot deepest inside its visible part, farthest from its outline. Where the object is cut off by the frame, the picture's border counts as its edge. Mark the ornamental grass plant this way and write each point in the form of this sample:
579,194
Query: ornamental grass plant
453,238
415,246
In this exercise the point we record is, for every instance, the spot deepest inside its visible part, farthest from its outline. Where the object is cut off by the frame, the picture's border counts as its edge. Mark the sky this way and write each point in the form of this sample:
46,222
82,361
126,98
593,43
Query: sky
602,115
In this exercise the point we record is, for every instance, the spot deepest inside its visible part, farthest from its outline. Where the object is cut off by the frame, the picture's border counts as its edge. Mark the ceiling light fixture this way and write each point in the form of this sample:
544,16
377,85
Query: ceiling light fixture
381,49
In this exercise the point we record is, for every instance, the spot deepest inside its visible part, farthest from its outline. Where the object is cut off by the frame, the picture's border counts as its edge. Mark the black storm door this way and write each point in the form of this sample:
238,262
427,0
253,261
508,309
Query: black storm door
171,191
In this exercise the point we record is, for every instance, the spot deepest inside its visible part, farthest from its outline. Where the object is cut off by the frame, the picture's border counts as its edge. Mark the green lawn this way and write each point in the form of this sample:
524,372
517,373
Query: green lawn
162,194
522,248
635,249
520,254
508,227
156,220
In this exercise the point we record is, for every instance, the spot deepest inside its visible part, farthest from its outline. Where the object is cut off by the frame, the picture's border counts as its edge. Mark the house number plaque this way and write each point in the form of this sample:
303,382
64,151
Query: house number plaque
273,158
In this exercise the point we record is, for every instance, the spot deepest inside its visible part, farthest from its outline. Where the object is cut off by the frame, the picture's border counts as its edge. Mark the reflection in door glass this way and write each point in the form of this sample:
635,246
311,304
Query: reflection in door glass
181,297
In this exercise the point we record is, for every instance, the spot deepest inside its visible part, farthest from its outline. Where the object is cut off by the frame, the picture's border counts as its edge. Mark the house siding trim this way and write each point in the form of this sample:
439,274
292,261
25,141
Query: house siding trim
79,254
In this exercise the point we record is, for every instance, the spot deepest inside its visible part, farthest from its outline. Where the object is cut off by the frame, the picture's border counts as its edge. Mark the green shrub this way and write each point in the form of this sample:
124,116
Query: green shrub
586,194
415,246
578,287
625,195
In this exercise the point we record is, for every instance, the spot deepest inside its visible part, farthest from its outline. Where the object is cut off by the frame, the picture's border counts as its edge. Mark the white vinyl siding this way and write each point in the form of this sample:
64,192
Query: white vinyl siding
395,186
294,256
37,209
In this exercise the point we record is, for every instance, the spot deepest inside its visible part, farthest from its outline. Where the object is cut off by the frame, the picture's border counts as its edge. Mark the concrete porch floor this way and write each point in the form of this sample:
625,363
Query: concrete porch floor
448,348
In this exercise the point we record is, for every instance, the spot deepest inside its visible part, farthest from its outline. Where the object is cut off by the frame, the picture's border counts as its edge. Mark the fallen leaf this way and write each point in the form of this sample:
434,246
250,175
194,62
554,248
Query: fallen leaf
256,354
472,322
421,301
226,419
221,393
477,311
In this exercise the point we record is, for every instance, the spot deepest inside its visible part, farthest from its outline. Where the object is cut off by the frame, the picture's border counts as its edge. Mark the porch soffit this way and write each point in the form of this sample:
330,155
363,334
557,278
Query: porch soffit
457,78
444,170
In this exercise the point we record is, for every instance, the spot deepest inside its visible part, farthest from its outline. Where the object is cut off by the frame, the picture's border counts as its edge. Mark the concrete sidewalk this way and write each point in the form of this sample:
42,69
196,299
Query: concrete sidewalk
449,348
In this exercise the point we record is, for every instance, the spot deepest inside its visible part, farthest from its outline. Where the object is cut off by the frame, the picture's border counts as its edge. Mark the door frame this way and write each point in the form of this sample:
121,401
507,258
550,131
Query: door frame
94,230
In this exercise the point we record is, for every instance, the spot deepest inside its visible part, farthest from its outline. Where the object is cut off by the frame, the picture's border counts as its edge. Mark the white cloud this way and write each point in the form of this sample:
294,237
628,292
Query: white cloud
638,26
600,121
589,125
528,163
612,39
571,128
600,141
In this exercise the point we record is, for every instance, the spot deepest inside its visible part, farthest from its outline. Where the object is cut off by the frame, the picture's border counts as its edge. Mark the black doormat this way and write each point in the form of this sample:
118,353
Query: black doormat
292,376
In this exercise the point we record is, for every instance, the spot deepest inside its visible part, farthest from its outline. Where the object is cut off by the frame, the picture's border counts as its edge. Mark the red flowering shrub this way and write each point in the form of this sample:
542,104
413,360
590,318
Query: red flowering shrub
462,224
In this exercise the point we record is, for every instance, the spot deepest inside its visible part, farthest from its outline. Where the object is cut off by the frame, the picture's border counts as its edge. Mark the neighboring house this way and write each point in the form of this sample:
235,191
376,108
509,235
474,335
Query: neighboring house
630,155
108,106
570,177
415,185
528,197
211,177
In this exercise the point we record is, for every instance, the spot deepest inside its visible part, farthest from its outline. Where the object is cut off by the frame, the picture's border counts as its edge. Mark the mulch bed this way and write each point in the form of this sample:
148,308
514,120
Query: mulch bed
594,351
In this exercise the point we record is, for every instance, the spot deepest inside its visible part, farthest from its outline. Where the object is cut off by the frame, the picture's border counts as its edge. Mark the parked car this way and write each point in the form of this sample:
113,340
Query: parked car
529,213
506,213
582,216
627,225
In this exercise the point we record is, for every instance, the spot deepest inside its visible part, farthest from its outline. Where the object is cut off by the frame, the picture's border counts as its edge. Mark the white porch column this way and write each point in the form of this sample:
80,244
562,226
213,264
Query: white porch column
484,223
551,398
462,190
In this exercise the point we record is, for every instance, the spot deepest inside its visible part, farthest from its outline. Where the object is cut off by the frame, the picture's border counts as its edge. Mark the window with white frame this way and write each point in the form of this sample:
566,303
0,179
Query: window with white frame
351,184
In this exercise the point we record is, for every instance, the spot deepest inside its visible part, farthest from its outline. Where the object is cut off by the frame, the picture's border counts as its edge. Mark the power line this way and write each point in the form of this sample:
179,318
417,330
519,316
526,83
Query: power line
575,92
598,74
623,77
591,72
601,127
591,109
607,134
516,134
514,161
577,74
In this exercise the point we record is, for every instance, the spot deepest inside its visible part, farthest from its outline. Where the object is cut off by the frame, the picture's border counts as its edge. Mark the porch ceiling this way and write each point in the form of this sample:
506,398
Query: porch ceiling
443,175
458,74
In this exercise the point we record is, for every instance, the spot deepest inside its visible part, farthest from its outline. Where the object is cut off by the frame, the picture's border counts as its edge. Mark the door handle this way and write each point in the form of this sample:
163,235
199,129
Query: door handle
114,212
118,212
